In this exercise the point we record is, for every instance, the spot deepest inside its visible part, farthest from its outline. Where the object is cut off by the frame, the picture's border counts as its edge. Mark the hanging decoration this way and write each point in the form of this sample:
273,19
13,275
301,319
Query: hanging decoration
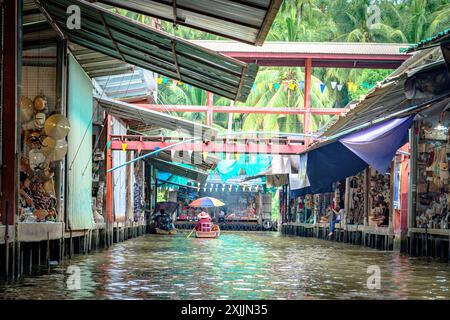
322,87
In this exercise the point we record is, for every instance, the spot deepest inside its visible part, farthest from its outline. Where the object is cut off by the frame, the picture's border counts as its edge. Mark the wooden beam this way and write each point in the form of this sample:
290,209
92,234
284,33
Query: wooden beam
102,18
175,59
10,117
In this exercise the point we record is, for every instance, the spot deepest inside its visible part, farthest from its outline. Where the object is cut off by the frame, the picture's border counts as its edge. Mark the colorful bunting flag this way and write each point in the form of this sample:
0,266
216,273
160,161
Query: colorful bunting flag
124,146
301,84
322,87
159,80
333,84
339,87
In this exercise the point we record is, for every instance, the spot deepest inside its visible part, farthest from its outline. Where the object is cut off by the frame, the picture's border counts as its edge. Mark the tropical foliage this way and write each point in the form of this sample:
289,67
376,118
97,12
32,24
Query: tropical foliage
400,21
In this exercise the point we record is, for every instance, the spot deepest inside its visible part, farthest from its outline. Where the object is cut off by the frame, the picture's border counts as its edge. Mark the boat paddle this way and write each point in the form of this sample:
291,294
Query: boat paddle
190,233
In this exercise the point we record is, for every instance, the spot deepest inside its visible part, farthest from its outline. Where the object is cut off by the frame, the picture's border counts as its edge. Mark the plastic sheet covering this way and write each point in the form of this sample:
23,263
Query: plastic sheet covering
79,175
246,165
378,144
119,175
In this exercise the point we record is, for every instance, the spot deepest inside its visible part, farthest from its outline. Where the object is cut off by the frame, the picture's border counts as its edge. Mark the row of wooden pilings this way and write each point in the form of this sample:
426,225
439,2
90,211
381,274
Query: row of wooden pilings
417,244
26,258
355,236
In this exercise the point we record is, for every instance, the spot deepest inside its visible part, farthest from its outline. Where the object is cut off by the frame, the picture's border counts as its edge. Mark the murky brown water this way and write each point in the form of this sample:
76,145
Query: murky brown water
237,266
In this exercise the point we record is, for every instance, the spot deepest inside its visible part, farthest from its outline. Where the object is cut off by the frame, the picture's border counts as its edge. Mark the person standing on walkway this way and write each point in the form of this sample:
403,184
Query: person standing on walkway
339,212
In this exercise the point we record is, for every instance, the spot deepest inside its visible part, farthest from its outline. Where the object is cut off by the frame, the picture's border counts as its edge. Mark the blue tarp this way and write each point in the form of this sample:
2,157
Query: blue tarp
378,144
374,146
331,163
304,191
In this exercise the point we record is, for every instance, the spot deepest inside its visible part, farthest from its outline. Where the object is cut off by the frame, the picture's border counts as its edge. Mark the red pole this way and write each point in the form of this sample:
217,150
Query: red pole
209,112
11,124
307,101
109,177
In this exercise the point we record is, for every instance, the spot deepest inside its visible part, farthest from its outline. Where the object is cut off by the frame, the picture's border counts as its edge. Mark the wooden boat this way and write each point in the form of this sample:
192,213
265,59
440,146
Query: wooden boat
215,233
166,232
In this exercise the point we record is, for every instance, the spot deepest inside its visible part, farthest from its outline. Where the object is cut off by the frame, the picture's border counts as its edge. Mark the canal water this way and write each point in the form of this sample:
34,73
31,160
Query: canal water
236,266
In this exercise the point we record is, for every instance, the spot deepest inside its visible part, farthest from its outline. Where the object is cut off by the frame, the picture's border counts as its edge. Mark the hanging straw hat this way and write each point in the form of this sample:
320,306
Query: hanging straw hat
203,215
54,150
57,126
26,109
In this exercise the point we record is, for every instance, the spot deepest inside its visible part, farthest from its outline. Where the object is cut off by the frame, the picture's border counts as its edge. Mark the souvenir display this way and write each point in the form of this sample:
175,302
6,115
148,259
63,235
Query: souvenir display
35,123
37,196
379,198
433,191
40,103
355,214
98,189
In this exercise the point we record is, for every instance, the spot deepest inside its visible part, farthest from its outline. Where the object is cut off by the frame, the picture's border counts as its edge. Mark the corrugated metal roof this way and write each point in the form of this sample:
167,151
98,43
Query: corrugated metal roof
388,98
307,47
178,170
143,46
248,21
129,112
96,64
436,40
138,85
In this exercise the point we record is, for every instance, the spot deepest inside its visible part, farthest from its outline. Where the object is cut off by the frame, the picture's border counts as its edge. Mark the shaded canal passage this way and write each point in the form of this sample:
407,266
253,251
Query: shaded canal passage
237,266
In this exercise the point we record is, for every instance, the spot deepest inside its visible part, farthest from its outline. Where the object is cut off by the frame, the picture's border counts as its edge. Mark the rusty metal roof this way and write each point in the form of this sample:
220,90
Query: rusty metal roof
247,21
138,44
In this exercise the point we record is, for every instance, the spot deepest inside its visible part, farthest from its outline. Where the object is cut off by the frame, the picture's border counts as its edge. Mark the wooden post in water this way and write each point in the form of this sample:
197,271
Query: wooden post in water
30,267
48,249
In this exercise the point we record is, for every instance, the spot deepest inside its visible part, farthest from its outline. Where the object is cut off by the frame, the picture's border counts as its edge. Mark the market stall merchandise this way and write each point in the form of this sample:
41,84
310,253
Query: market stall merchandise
379,198
355,214
44,135
433,191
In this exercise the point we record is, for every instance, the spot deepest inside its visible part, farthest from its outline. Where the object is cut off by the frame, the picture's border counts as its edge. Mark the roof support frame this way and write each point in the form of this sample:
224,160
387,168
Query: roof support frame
52,22
102,18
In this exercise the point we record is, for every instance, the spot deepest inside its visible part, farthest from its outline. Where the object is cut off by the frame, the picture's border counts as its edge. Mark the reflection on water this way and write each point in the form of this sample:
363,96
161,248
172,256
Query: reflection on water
237,266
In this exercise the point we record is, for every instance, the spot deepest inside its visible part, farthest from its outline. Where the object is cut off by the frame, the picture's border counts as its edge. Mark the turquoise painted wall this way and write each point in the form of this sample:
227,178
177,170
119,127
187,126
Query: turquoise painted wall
79,162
